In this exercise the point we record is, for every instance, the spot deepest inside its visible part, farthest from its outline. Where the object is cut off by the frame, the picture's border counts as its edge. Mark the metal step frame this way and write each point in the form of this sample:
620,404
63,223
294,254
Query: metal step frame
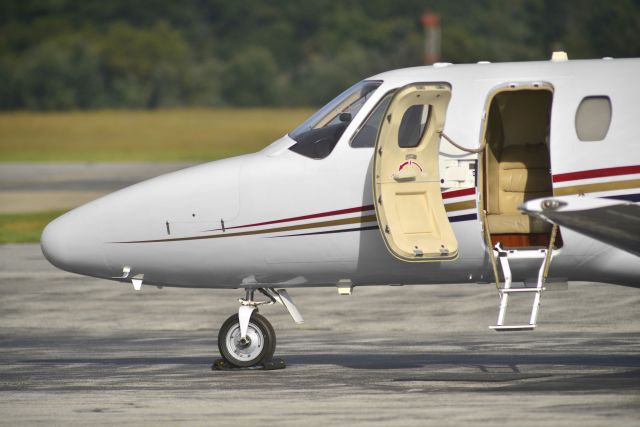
504,256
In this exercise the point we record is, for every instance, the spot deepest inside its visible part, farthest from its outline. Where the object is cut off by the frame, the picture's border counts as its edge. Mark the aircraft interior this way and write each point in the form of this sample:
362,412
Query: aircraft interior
517,166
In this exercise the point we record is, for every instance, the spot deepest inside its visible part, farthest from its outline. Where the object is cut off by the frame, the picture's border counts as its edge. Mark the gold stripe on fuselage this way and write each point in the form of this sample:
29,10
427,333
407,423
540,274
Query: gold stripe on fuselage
467,204
595,188
458,206
343,221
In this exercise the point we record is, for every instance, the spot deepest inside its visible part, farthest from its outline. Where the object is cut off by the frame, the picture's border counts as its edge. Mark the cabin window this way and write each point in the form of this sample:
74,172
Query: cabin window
413,124
593,118
319,134
365,136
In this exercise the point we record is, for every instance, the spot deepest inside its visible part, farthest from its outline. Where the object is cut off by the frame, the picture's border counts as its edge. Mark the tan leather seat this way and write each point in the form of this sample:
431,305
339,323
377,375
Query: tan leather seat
521,173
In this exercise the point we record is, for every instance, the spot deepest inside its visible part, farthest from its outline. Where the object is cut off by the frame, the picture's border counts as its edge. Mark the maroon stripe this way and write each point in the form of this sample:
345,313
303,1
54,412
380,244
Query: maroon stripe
596,173
459,193
447,195
298,218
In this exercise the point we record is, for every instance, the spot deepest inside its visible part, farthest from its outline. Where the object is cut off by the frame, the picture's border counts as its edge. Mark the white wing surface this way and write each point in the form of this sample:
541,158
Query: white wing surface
610,221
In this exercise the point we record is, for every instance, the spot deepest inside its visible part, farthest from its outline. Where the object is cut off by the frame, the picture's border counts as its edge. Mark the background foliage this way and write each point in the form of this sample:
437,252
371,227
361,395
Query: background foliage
71,54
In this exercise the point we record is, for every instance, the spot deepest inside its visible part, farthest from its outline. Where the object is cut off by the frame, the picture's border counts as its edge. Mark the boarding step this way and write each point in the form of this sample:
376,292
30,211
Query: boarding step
508,291
514,255
513,328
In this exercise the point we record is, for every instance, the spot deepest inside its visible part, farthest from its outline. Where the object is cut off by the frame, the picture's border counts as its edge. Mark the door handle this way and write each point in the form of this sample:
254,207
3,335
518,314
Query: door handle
407,174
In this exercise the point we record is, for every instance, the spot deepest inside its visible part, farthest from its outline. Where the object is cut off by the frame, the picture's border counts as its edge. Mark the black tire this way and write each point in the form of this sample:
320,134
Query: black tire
262,343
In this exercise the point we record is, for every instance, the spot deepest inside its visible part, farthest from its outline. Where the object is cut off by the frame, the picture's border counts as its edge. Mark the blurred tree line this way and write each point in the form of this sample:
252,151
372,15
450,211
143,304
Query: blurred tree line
74,54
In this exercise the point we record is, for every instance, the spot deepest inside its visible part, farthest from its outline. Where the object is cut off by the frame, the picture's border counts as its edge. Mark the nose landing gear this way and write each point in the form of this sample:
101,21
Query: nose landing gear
257,345
247,339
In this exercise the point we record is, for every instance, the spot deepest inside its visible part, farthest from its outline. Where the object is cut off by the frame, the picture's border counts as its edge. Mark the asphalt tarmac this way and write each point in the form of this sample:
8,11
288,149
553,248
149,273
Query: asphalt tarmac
76,350
36,187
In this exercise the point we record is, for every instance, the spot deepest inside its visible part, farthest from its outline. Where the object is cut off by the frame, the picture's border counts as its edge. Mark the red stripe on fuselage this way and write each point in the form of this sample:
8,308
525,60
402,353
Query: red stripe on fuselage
596,173
447,195
311,216
459,193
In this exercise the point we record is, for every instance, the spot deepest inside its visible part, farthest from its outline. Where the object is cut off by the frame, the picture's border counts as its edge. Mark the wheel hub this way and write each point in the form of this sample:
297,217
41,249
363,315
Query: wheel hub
248,348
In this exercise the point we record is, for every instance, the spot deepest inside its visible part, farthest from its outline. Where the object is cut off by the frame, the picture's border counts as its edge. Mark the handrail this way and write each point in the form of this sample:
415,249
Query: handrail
460,147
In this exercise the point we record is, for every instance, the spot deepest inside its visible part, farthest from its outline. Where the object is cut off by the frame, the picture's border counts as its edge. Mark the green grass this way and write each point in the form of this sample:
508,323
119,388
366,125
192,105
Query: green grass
164,135
117,136
24,228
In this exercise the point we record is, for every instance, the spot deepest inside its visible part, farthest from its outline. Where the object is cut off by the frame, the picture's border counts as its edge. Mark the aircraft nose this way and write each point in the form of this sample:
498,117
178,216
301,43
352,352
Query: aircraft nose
72,243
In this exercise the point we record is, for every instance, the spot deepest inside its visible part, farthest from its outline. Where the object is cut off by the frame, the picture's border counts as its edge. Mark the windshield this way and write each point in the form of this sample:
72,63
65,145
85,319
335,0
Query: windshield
317,136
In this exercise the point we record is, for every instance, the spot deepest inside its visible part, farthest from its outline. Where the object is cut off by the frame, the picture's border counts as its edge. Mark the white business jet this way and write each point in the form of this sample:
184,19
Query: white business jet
502,173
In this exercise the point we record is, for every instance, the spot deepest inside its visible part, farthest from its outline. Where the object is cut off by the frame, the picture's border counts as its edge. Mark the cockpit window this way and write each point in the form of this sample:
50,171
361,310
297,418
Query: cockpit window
318,135
365,136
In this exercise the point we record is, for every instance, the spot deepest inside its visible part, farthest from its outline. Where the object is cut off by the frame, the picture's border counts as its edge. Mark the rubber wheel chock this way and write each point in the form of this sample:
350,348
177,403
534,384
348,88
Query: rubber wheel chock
268,365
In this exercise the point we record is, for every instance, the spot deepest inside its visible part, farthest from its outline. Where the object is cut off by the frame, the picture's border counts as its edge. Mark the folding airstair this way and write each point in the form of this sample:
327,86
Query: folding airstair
519,255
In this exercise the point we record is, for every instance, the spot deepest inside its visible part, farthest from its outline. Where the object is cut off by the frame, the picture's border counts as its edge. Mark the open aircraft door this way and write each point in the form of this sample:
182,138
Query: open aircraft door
406,179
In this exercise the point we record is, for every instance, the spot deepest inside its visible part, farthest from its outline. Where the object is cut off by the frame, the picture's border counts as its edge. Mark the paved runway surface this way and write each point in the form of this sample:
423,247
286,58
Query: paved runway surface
76,350
79,176
32,187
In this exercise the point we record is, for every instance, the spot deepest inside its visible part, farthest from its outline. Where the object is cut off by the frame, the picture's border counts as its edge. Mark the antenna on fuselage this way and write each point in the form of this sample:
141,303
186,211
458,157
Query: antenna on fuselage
559,56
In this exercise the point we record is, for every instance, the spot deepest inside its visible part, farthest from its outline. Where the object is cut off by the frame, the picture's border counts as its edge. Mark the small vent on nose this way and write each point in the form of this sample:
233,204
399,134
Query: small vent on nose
168,228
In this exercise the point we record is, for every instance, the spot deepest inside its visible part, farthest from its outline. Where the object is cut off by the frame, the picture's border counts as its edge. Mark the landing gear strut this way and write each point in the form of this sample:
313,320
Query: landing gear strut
247,339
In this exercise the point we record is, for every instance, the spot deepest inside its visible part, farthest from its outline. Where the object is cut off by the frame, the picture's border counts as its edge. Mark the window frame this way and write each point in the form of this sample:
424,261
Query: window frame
576,116
306,133
391,92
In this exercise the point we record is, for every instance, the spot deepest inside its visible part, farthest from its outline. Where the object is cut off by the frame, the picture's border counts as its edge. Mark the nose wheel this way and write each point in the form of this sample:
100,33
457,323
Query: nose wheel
247,339
258,344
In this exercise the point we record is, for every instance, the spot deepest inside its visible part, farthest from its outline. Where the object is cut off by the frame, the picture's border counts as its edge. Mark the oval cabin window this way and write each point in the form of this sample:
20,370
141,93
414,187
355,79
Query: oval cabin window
593,118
